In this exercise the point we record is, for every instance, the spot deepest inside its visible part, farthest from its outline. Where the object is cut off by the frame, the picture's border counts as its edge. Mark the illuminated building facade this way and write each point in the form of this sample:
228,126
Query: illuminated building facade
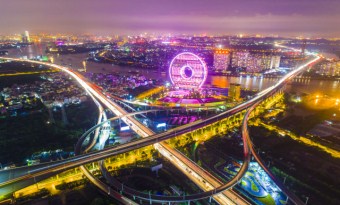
331,68
25,38
275,62
234,91
187,71
254,63
221,60
240,59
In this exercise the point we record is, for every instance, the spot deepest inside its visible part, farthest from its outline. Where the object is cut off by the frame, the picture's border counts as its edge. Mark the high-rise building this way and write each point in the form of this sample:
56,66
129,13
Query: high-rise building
240,59
221,60
234,91
331,68
261,62
254,62
25,37
275,62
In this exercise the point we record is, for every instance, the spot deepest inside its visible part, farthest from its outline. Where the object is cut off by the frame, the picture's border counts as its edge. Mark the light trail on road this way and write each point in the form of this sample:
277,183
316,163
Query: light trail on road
152,139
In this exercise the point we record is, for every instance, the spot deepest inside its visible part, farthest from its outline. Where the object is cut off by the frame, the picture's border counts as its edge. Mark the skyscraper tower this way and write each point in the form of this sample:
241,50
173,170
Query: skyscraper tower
221,60
27,35
24,38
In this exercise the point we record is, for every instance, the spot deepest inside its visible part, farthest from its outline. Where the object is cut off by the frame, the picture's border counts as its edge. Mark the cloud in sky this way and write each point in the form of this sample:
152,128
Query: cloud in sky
305,17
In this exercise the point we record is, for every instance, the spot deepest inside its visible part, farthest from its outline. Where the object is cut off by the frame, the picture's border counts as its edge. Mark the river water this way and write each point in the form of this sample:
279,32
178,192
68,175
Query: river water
322,87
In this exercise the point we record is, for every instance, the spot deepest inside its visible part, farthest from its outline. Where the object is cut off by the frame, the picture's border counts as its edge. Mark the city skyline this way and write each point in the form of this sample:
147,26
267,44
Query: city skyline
200,102
286,18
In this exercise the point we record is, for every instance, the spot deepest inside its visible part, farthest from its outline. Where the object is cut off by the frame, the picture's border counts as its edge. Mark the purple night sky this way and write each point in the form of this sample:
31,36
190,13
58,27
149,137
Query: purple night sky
284,17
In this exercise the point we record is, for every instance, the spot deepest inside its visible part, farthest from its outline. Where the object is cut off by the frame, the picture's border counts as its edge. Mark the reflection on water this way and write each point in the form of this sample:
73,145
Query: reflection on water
30,51
300,85
219,81
251,83
321,102
317,87
323,87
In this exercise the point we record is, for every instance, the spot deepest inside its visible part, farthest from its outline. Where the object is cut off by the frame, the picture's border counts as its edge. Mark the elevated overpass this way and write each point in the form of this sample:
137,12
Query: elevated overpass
12,180
135,125
30,174
245,135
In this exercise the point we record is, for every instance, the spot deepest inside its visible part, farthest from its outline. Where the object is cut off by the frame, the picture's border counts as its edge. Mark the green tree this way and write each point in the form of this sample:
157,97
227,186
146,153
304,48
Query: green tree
98,201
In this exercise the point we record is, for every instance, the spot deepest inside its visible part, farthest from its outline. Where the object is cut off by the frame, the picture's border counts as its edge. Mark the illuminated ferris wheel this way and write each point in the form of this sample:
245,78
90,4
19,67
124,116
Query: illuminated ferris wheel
187,71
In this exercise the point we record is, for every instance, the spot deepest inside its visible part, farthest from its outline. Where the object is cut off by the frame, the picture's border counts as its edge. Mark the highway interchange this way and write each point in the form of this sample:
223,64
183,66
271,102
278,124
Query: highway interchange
149,138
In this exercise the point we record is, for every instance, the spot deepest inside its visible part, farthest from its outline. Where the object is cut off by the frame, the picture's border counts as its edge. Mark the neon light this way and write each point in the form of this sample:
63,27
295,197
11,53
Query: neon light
125,128
161,125
185,63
